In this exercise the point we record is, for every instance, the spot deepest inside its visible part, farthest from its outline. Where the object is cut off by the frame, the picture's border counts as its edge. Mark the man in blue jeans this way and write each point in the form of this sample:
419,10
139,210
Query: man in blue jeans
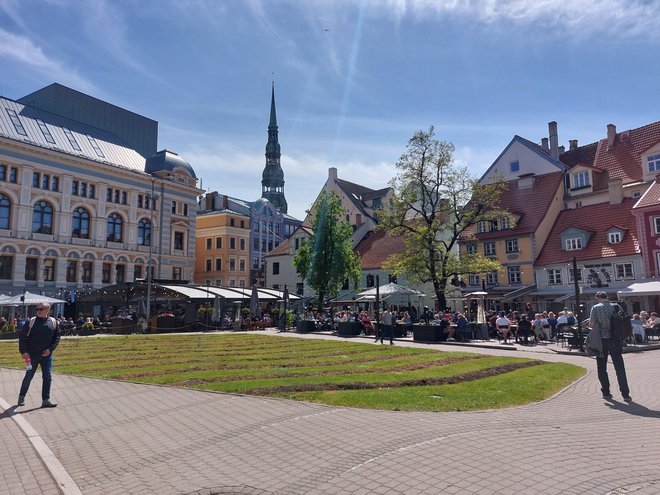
37,341
599,319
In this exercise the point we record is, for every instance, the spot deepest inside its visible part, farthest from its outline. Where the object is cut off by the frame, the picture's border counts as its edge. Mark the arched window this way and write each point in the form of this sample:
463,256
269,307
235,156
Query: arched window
5,212
144,232
114,228
42,218
80,223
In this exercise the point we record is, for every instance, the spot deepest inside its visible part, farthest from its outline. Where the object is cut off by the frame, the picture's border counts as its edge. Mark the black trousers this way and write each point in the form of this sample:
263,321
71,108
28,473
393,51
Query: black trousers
613,348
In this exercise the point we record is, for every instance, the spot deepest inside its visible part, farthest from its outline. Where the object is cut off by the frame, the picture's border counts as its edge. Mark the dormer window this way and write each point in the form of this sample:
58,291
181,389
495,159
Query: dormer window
614,237
580,180
573,244
653,162
505,223
515,166
493,225
481,227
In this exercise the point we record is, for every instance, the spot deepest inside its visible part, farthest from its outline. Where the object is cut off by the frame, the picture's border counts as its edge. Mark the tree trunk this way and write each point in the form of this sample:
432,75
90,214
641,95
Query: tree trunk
321,297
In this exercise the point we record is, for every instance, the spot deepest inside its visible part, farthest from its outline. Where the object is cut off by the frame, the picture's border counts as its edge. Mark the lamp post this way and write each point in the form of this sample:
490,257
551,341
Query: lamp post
152,198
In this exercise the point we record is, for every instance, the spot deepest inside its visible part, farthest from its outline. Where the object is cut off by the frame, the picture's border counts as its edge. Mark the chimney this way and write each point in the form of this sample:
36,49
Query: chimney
225,202
562,149
572,144
615,190
208,201
611,134
554,140
544,144
332,173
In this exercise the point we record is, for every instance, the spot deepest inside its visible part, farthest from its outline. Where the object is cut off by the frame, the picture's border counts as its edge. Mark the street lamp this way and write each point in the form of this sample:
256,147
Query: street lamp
152,197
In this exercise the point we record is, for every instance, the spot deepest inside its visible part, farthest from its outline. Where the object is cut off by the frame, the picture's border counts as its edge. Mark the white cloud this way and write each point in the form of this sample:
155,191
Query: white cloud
26,52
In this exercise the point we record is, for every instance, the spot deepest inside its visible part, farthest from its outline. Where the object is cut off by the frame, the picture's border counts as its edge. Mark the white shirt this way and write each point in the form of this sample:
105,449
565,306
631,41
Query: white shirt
503,321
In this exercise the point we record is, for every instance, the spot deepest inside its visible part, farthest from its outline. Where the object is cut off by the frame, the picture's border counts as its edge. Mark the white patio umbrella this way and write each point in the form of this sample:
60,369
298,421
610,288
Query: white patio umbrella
391,289
255,309
28,299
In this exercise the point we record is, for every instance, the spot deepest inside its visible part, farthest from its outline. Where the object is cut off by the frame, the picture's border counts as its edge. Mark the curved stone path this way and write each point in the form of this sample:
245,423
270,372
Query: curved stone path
125,438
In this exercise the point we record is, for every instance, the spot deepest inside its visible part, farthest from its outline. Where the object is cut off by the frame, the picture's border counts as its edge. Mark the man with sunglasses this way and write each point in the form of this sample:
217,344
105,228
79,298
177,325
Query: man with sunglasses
37,341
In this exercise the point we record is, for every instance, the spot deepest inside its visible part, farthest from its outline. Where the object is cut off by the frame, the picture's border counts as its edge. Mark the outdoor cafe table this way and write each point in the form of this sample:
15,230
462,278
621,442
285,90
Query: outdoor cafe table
305,326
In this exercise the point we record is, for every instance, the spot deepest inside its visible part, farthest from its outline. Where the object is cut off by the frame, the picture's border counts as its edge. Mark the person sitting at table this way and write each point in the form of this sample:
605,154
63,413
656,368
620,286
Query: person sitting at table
367,324
503,326
639,332
462,327
405,322
524,329
652,320
537,326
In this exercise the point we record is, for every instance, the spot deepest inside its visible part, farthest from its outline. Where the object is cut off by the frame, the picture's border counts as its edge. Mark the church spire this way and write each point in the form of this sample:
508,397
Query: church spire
272,183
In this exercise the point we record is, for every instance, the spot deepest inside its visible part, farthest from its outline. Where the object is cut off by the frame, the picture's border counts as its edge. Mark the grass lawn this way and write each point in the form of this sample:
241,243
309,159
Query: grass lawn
341,373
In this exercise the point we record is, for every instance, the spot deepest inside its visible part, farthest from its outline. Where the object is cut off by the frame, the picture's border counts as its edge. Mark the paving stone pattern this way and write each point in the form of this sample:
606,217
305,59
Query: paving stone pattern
125,438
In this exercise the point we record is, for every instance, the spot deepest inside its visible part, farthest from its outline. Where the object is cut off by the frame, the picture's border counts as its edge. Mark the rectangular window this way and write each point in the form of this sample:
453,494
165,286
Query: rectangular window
473,280
571,278
580,179
232,243
255,244
624,271
208,264
653,162
49,270
276,268
218,264
482,227
3,172
491,278
242,244
178,240
515,166
45,131
124,198
71,270
489,248
141,202
504,222
120,274
573,244
218,242
55,184
232,265
91,191
241,265
277,229
95,145
614,237
13,175
185,210
87,272
137,272
35,180
471,249
6,267
173,207
108,194
514,274
106,273
656,225
209,243
255,225
31,268
115,196
82,191
45,181
232,222
493,225
232,283
512,246
554,276
72,140
242,224
17,122
177,273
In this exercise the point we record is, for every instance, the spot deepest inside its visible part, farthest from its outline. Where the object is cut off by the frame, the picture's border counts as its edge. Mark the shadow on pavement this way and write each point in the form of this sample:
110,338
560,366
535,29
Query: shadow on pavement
634,409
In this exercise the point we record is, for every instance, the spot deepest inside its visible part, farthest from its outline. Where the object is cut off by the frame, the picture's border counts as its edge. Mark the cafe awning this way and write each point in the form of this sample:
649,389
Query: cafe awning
641,289
510,296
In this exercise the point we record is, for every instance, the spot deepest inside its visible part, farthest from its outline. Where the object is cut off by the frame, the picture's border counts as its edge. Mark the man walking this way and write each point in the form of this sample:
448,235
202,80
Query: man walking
599,319
387,325
37,341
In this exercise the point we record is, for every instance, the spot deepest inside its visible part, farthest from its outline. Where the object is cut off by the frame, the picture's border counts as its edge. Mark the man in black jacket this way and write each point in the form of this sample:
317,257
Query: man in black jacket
37,341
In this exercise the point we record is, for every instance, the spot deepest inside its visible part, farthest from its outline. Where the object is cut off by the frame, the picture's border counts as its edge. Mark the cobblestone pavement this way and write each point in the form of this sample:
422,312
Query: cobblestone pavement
126,438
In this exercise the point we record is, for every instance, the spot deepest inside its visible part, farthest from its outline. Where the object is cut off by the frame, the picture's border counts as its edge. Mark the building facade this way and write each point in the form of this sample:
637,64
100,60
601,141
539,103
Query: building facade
80,209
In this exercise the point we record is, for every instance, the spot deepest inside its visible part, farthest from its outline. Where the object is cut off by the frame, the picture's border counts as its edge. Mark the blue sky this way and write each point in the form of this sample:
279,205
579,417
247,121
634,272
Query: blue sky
353,79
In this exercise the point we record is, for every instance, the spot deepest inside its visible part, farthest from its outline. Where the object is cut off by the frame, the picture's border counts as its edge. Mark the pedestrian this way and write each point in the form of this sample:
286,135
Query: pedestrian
387,325
599,319
37,341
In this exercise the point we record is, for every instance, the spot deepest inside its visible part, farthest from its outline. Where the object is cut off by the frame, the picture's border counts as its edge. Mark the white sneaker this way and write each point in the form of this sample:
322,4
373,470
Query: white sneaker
451,339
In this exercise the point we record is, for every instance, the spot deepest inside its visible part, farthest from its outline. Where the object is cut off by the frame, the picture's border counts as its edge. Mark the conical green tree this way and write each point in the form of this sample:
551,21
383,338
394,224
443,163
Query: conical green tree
326,259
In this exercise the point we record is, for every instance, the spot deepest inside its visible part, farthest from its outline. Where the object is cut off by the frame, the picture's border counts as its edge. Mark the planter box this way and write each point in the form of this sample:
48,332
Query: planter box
123,327
428,333
305,326
349,328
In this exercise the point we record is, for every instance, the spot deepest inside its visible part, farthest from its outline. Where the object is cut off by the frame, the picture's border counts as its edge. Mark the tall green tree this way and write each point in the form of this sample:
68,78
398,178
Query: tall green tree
435,204
327,258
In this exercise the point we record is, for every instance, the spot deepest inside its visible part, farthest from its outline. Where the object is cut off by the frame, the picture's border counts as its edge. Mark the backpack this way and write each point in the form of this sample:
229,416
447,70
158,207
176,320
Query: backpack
620,325
53,322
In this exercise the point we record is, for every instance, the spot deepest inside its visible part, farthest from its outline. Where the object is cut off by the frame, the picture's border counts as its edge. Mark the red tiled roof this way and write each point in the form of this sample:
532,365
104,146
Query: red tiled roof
376,247
598,218
531,204
622,160
651,197
582,155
